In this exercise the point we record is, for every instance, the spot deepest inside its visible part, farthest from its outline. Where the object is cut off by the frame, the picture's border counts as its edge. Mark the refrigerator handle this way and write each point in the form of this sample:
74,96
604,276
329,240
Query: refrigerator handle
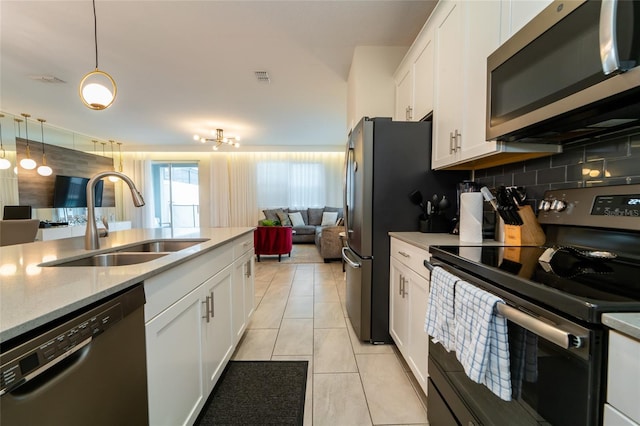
348,260
347,186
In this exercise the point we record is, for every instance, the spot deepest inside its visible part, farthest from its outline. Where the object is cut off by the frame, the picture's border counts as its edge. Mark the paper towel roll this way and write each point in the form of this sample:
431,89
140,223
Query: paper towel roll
471,217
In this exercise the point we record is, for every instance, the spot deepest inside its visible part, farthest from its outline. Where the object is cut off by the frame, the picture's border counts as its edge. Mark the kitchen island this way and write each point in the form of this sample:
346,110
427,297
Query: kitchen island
199,291
32,295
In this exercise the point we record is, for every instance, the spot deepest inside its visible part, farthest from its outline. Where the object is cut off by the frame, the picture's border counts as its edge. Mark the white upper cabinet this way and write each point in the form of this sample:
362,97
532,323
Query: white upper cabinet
445,72
516,13
414,80
449,93
404,95
466,33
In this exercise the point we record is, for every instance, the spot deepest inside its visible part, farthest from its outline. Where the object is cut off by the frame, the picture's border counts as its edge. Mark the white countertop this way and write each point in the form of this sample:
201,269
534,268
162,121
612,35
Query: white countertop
424,240
627,323
32,295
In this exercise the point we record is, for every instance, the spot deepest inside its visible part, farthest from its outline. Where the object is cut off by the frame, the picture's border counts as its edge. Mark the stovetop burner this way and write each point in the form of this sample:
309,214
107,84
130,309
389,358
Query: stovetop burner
573,284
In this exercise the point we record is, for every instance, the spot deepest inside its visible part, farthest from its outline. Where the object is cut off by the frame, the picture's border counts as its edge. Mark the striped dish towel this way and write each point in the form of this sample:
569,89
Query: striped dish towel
481,341
439,321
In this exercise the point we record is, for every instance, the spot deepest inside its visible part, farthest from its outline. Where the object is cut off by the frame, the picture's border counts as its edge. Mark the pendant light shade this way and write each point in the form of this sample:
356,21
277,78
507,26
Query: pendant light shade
27,163
4,162
43,170
97,88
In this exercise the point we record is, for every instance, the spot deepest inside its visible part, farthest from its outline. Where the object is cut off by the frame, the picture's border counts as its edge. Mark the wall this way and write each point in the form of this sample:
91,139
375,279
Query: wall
597,162
37,191
371,88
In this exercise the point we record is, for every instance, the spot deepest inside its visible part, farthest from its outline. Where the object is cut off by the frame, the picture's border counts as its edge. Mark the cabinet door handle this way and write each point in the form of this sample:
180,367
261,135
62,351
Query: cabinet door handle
400,286
248,273
404,254
207,308
458,137
410,113
451,143
213,312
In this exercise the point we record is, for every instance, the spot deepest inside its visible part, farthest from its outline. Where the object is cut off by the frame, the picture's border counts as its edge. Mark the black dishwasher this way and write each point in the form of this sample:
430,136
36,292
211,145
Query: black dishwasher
87,368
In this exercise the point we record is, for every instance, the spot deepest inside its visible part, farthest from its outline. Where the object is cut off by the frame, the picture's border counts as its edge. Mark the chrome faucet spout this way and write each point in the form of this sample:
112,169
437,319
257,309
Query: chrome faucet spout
91,236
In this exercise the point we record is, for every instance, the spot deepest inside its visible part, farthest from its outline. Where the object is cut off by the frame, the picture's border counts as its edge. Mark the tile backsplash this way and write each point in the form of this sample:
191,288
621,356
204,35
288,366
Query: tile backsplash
598,162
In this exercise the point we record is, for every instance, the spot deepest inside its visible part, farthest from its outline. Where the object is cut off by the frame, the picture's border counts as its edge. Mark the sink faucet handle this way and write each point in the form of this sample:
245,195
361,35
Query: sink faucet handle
105,232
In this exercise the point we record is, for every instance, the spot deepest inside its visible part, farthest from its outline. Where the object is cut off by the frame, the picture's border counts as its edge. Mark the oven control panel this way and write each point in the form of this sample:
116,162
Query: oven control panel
616,207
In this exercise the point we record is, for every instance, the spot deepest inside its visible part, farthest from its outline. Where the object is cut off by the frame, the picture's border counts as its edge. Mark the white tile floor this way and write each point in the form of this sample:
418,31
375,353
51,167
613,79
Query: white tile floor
300,315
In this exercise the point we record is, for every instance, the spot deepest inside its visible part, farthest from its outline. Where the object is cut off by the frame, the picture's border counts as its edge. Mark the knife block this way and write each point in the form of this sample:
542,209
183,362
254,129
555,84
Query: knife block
530,233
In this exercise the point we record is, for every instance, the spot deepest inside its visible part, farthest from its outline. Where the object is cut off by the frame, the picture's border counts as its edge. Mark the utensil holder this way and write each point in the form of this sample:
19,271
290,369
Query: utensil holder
528,234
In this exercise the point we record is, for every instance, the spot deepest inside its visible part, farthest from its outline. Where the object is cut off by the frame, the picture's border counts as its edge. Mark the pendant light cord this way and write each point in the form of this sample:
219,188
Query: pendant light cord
95,31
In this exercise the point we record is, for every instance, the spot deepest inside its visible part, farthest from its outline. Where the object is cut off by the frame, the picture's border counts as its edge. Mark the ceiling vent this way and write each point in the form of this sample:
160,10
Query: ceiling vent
262,76
46,79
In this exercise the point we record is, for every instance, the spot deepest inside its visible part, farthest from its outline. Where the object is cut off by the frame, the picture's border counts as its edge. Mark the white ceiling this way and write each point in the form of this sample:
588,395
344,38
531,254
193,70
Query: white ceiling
183,67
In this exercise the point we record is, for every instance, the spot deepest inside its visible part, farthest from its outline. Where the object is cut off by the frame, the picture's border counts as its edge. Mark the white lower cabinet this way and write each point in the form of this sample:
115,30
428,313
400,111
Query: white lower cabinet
217,335
175,362
409,293
243,293
194,317
623,381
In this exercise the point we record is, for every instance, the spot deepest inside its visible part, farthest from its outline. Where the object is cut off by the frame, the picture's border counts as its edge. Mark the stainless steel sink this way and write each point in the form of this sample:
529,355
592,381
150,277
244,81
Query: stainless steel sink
158,246
112,259
131,255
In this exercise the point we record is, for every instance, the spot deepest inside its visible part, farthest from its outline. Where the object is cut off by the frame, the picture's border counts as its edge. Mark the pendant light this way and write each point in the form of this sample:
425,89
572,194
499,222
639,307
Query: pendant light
97,88
43,170
27,163
4,163
113,179
120,152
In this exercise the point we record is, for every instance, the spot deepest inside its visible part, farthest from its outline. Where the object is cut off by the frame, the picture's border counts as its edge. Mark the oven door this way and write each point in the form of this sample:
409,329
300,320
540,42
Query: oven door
551,384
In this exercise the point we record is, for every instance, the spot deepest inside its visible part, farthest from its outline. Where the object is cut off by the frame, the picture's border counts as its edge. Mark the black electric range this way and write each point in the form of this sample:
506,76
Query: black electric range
571,284
589,265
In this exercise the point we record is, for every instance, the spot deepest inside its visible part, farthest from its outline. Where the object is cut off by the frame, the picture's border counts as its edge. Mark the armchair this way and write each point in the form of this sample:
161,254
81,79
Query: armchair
329,243
273,240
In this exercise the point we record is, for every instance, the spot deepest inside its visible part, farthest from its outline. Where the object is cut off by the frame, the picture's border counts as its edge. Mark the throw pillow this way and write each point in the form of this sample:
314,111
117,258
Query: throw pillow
284,218
329,218
296,219
271,214
315,216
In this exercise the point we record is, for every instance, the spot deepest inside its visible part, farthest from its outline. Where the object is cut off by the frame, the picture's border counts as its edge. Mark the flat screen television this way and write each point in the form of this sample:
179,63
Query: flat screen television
71,191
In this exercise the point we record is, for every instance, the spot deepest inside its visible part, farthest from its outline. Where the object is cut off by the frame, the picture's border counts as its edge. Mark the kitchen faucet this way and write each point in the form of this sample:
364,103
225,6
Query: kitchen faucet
91,236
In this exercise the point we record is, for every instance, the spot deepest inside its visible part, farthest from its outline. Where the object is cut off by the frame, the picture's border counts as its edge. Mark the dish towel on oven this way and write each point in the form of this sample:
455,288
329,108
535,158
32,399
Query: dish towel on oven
481,341
439,321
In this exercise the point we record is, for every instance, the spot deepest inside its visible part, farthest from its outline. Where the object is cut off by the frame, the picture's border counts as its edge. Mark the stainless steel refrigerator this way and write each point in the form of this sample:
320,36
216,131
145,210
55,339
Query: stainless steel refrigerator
385,161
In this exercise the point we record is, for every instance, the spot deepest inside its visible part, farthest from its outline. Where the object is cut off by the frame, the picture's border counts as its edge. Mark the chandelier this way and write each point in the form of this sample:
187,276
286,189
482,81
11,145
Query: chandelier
219,139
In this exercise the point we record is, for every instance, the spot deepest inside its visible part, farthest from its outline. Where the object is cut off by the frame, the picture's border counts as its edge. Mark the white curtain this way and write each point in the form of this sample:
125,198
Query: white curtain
259,180
219,201
138,167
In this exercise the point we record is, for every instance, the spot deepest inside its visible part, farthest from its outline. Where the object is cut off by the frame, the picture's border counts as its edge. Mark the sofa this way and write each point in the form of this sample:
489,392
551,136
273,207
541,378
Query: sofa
320,226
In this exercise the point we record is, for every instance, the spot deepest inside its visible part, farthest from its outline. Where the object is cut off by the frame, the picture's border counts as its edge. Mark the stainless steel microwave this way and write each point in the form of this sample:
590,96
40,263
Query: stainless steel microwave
572,72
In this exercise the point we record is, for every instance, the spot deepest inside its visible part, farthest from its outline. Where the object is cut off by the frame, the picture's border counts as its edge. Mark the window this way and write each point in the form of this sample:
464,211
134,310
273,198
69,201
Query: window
176,201
291,183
